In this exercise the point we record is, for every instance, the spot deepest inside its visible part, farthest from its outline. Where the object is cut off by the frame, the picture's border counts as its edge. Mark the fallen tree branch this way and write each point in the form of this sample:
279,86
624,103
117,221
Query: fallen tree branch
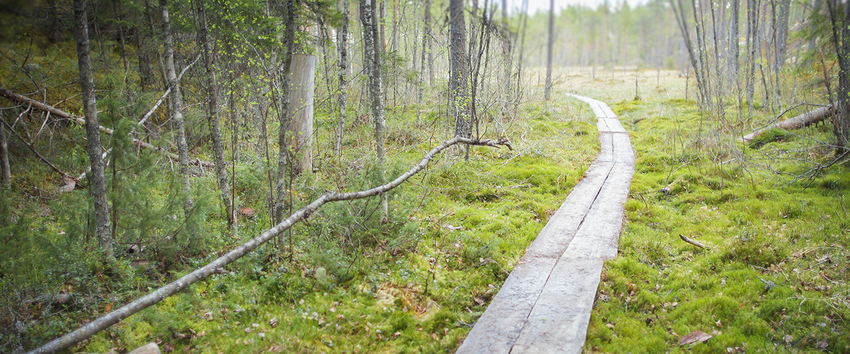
64,174
62,114
105,321
800,121
692,241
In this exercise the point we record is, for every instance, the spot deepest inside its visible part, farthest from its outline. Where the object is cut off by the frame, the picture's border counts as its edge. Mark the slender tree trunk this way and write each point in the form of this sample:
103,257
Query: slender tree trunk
372,53
215,130
176,104
752,46
507,56
98,181
459,82
841,41
524,16
548,88
427,44
55,24
422,65
5,169
284,154
342,46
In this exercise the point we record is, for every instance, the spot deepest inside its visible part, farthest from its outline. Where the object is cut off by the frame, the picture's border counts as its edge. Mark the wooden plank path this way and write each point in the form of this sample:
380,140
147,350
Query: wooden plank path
545,304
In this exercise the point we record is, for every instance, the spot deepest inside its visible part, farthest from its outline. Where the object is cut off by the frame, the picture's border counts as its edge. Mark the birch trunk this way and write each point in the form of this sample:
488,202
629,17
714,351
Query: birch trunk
302,76
372,52
98,185
215,130
176,104
342,46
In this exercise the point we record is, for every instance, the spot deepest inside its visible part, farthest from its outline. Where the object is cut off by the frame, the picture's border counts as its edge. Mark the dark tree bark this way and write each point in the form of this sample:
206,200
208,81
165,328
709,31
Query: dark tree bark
98,181
548,88
176,103
5,169
284,154
215,130
342,47
841,40
54,22
372,60
459,81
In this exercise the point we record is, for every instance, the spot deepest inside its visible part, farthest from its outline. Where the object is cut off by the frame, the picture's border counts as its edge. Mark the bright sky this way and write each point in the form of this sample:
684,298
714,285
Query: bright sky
543,5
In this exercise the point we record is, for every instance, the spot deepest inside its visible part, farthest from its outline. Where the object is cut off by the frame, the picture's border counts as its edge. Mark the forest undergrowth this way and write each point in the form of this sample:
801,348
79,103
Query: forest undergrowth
415,283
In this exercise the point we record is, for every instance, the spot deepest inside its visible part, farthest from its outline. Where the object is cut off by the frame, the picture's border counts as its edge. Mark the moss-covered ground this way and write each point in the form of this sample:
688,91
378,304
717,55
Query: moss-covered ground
773,277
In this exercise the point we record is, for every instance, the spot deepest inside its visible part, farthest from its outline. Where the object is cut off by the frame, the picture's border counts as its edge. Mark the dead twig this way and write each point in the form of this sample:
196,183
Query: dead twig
692,241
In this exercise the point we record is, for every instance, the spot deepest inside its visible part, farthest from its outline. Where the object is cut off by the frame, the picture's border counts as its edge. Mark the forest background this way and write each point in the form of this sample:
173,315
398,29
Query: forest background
192,96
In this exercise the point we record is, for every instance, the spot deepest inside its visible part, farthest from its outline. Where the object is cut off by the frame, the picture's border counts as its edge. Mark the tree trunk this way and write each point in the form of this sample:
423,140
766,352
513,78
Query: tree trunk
372,52
548,88
284,154
841,41
5,169
176,104
342,46
215,130
98,185
459,82
752,46
507,56
303,74
426,46
55,23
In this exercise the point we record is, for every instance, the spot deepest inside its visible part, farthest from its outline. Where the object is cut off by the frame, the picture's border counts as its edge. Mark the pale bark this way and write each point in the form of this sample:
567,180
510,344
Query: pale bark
342,47
176,104
215,130
798,122
302,76
105,321
427,44
98,185
372,52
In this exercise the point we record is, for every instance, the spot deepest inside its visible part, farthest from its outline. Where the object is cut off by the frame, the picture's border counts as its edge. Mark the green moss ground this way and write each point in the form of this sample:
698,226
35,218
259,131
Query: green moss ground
774,275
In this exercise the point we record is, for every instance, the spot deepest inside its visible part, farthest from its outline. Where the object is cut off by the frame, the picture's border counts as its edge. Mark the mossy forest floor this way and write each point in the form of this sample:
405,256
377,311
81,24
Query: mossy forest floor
772,279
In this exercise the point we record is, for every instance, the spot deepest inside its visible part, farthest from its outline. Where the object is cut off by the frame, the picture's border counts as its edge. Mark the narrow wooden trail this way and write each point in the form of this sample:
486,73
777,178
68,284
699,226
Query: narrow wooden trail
545,304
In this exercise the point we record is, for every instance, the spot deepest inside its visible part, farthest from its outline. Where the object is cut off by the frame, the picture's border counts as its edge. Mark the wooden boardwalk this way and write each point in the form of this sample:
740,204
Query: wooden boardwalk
545,304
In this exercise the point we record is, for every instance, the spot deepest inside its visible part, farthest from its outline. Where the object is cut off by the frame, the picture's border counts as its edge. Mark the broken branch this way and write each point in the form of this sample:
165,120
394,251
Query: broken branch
692,241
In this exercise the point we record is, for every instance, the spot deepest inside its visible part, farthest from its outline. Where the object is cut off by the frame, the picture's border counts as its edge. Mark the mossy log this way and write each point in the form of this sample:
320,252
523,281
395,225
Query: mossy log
798,122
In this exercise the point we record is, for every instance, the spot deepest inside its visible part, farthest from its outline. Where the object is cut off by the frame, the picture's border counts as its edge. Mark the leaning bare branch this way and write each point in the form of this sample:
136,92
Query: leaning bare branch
160,294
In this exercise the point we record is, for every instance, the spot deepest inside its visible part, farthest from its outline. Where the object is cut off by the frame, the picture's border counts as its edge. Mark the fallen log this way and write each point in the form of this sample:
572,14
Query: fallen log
798,122
105,321
62,114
